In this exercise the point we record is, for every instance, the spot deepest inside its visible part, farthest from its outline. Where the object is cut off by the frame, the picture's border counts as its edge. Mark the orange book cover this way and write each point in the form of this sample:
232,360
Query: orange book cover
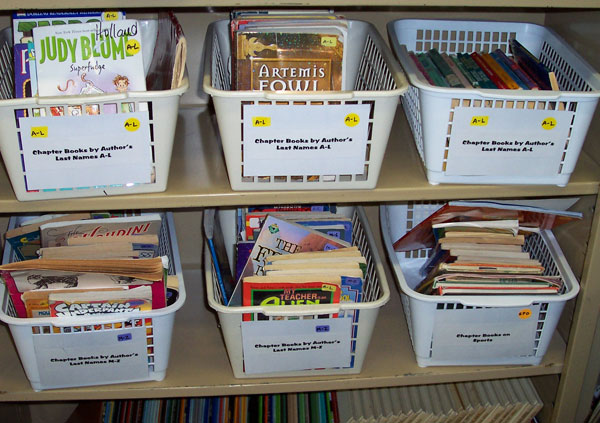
505,77
489,72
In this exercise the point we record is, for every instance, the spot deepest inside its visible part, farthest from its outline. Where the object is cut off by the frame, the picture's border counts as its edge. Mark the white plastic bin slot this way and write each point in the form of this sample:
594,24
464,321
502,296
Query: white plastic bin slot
159,107
375,295
64,352
374,78
475,329
440,118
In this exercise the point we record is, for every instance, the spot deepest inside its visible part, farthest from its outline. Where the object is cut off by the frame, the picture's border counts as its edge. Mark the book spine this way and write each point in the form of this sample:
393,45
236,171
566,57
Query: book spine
14,293
508,71
488,71
432,71
461,77
419,66
444,69
534,68
521,74
499,71
484,81
472,80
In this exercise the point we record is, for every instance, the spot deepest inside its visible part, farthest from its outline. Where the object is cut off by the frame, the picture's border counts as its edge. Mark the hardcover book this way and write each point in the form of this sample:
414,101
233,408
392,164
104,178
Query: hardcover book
89,58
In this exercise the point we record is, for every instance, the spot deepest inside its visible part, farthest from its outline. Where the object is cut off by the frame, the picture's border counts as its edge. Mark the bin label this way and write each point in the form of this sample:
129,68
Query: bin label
501,142
323,139
86,151
91,356
549,123
479,120
289,345
497,332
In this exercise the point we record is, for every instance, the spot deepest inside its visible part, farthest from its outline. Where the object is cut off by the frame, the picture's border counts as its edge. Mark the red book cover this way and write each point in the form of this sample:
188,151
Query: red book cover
289,290
488,70
58,280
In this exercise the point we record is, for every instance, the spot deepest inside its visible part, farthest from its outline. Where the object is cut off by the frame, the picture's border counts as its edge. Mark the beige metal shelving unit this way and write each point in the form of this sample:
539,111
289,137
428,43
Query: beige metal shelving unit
198,179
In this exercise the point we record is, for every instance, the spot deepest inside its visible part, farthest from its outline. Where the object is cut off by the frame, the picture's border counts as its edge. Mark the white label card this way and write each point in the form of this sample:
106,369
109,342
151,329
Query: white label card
86,151
483,141
464,334
288,345
305,140
91,358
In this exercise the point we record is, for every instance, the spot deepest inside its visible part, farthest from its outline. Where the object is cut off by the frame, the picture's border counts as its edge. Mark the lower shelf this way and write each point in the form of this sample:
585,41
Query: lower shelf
199,365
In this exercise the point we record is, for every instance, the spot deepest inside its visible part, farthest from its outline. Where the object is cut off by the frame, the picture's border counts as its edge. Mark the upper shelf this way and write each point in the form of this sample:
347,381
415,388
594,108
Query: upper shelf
103,4
198,178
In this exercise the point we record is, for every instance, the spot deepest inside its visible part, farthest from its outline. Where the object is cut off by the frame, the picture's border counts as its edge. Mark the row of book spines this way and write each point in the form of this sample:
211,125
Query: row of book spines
317,407
492,70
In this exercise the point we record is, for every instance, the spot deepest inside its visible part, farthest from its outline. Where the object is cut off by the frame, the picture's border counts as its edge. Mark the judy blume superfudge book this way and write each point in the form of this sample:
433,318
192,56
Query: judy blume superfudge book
89,58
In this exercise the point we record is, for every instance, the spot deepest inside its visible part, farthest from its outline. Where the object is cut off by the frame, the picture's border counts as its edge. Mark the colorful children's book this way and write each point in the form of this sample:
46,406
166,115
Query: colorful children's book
89,58
24,22
26,240
22,71
289,290
279,236
295,59
22,279
93,303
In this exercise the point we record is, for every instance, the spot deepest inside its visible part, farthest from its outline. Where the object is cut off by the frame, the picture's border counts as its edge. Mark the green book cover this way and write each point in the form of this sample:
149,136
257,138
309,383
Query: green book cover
444,69
484,81
461,66
432,71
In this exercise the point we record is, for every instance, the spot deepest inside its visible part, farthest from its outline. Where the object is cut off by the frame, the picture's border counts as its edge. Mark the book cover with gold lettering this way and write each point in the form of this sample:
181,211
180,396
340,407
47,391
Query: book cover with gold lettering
289,61
89,58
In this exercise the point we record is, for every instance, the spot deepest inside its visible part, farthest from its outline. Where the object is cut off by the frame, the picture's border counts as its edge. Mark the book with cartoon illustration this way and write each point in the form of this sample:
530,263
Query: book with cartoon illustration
89,58
279,236
47,276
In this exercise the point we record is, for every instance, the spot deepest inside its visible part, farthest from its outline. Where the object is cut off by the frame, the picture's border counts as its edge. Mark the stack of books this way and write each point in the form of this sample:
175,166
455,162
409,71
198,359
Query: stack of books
287,255
507,400
496,70
481,247
86,266
484,257
277,50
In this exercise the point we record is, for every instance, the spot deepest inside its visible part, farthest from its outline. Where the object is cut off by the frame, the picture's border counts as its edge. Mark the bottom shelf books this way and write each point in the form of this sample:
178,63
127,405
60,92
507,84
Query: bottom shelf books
506,400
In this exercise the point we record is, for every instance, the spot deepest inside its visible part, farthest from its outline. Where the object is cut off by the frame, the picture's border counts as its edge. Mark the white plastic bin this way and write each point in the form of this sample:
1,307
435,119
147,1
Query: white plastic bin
477,329
161,108
442,119
374,79
375,295
62,352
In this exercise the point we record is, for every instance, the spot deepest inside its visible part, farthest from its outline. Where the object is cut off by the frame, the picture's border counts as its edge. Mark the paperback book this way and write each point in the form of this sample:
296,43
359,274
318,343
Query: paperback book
303,52
279,236
289,290
89,58
46,276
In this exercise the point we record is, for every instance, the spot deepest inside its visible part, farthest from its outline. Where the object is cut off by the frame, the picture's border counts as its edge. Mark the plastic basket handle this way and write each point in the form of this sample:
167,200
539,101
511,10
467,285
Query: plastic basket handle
297,310
82,99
